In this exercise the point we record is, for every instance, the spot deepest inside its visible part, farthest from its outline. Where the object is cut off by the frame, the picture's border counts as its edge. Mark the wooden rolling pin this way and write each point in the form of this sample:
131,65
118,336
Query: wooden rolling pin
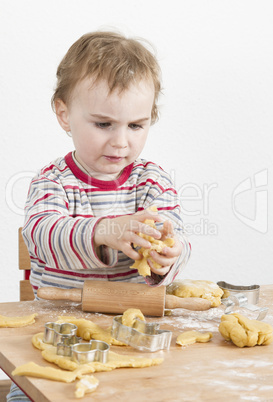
116,297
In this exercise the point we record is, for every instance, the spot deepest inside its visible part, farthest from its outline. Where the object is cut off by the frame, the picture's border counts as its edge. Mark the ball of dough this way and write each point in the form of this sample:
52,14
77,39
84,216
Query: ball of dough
245,332
197,288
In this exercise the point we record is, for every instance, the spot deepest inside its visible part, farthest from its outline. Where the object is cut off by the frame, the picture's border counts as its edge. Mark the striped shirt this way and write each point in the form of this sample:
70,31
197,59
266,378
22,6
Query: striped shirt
63,207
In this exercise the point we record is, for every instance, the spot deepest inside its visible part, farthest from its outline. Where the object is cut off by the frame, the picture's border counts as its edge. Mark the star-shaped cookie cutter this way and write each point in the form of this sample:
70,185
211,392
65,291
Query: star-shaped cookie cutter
143,336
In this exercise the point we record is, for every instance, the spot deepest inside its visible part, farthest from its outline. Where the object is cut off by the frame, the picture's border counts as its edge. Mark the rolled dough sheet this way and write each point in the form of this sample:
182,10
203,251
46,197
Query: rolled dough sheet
15,322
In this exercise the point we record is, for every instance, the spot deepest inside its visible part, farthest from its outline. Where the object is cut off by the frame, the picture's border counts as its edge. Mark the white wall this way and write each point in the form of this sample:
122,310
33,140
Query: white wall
215,131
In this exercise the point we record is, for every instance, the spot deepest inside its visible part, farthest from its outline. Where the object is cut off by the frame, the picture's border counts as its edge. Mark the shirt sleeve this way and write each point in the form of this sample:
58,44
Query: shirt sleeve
54,236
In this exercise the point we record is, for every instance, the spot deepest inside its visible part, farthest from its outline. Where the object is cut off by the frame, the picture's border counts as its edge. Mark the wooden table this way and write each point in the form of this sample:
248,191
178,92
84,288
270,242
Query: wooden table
214,371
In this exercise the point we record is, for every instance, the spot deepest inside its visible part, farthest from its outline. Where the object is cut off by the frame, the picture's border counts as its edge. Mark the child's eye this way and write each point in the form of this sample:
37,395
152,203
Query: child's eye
134,126
102,125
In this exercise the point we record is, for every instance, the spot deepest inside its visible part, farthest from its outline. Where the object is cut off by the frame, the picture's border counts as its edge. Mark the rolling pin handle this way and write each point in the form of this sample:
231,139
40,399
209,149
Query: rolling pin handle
189,303
51,293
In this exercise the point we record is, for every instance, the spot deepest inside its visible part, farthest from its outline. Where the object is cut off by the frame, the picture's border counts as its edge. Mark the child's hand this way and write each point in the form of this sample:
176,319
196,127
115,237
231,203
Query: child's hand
121,232
169,254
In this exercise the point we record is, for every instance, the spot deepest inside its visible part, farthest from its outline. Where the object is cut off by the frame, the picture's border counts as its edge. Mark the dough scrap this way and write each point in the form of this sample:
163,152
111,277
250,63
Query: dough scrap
32,369
243,331
49,353
115,360
64,362
197,288
86,385
189,337
15,322
157,245
88,330
129,317
226,293
38,343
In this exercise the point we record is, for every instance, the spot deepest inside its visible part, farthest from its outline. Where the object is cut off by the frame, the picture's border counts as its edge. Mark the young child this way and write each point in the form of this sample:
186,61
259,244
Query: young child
85,211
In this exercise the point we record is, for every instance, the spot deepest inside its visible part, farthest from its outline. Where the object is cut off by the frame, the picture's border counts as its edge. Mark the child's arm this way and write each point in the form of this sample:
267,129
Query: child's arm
54,235
66,242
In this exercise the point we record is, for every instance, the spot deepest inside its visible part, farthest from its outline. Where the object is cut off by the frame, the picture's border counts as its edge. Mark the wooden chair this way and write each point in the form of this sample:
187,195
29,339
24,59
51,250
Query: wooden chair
26,292
4,389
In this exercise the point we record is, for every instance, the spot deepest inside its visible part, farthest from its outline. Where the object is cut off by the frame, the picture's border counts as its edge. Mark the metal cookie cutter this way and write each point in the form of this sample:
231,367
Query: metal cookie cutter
242,296
68,344
94,351
58,333
143,336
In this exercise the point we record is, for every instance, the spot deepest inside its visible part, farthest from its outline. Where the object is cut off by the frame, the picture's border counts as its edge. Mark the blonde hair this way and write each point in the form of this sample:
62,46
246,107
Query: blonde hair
110,56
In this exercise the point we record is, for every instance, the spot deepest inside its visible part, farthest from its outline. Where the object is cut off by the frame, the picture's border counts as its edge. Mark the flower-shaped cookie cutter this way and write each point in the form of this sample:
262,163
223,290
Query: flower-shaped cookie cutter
241,300
143,336
55,333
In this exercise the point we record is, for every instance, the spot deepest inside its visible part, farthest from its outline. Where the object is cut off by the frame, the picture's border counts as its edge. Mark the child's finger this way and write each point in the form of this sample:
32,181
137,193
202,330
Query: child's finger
148,230
167,230
130,252
173,251
146,214
159,271
138,241
162,260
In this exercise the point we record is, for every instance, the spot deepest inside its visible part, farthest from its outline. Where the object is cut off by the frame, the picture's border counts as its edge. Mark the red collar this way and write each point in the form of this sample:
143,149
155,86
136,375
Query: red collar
103,184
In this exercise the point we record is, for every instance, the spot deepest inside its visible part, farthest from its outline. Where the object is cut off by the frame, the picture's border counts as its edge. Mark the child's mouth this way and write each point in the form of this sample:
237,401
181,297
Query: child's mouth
113,158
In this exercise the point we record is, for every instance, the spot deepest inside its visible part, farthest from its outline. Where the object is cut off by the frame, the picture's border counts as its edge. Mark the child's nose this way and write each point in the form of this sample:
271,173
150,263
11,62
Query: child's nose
119,139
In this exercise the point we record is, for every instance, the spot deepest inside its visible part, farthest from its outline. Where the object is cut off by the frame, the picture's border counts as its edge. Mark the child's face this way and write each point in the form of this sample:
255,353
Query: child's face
108,131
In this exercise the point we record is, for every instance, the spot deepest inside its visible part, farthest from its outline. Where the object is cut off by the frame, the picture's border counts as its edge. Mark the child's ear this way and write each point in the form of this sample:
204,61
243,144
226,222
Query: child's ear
62,114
